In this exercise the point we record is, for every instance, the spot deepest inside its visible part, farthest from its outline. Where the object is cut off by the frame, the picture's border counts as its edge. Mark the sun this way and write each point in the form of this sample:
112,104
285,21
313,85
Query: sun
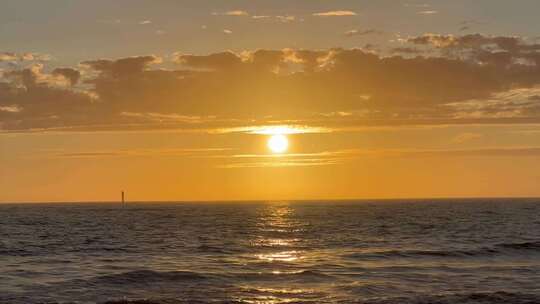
278,143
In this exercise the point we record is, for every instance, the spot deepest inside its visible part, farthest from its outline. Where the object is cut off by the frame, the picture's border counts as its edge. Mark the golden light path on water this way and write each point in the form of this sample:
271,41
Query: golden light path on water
277,221
278,233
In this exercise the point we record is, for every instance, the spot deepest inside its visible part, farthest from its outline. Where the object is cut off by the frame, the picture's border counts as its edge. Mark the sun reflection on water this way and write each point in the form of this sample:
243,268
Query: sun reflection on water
278,229
277,295
274,242
279,244
283,256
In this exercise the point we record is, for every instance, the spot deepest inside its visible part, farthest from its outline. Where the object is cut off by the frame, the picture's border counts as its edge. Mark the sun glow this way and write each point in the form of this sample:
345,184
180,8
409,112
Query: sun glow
278,143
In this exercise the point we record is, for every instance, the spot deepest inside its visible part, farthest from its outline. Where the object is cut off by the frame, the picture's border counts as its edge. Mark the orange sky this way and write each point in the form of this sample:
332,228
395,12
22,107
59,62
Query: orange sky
379,100
445,161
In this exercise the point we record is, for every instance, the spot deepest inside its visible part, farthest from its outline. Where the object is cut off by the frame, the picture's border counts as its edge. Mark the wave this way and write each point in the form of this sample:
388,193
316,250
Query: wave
166,301
170,301
470,298
521,246
15,252
498,249
303,276
499,297
144,276
218,250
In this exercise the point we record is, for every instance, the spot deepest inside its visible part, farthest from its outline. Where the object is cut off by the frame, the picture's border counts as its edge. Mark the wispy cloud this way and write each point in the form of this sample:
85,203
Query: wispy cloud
286,18
513,103
278,18
273,130
466,137
232,13
278,164
428,12
344,156
355,32
24,57
169,118
10,109
140,153
261,17
340,13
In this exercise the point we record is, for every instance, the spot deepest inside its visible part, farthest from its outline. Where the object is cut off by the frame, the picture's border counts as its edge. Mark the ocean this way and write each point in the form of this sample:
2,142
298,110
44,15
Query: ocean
395,251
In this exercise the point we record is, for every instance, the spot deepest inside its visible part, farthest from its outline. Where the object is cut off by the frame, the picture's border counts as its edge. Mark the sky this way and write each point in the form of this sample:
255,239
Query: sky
177,100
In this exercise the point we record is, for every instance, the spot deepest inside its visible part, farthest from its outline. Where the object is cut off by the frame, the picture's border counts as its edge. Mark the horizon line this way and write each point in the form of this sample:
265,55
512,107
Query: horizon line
322,200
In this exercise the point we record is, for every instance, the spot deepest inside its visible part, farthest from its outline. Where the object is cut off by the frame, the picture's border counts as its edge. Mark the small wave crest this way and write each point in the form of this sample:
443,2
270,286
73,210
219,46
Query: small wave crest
521,246
498,249
143,276
296,276
472,298
500,297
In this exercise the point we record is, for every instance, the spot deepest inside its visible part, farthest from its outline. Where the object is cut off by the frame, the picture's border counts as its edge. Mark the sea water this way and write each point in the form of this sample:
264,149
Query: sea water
401,251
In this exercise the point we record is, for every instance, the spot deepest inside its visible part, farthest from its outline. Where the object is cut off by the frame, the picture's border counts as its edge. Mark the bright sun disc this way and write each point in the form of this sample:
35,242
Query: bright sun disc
278,143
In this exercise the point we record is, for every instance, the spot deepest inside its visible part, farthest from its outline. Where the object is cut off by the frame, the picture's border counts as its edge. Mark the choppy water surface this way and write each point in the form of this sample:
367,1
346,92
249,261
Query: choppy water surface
444,251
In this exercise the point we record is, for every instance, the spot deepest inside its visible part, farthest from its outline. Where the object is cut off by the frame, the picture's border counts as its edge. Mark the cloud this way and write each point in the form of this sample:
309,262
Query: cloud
352,33
8,57
407,51
32,99
145,22
236,161
281,163
278,18
338,157
232,13
274,129
228,32
217,61
340,13
141,153
513,103
23,57
122,67
458,79
168,118
428,12
465,137
480,44
70,74
10,109
286,19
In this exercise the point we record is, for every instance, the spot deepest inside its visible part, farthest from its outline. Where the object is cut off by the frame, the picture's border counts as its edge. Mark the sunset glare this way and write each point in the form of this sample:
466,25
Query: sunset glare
278,143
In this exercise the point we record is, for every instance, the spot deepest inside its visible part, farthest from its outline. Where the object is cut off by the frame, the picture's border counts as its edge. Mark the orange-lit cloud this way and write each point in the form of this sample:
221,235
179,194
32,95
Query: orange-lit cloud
460,79
232,13
429,12
338,13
